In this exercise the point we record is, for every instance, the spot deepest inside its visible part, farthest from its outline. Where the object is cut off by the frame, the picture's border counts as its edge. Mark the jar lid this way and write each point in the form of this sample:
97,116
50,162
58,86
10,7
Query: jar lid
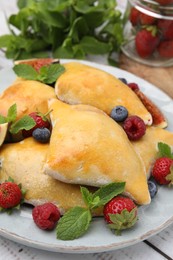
153,8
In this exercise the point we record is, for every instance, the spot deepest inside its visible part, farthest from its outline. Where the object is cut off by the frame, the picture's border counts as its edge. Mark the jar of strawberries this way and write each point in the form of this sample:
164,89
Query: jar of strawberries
148,32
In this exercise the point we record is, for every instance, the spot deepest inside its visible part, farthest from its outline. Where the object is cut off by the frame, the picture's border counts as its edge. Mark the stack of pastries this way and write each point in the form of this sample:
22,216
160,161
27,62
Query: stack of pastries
87,147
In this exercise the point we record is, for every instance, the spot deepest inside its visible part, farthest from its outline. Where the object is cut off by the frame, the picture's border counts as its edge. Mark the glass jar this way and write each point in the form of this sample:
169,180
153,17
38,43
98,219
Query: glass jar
148,32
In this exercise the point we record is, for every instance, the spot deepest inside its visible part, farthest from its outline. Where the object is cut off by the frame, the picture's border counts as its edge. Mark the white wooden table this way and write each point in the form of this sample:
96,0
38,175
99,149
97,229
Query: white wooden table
158,247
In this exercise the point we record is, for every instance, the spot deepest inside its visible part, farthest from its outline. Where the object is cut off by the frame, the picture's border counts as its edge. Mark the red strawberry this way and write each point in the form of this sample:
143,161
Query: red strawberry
164,2
146,42
146,19
166,28
163,170
10,195
120,213
134,16
165,49
41,122
46,215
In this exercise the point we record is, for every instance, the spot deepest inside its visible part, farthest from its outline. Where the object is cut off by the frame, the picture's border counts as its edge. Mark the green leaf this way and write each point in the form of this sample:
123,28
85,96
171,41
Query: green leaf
73,224
26,122
92,46
49,74
86,195
164,150
3,119
107,192
5,40
12,113
25,71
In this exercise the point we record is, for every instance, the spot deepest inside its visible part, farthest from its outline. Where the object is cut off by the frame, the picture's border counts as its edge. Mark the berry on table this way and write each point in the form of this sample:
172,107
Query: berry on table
46,216
119,113
162,170
42,135
134,127
120,213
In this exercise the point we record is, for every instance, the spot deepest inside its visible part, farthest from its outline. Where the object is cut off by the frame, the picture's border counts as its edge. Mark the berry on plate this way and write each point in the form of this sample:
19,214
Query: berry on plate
120,213
46,215
41,121
11,195
134,127
152,187
41,135
119,113
162,171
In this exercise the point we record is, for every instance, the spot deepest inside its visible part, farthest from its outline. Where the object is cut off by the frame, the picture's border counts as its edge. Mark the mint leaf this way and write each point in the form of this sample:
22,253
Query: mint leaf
50,73
73,224
25,71
26,122
3,119
164,150
107,192
12,113
87,196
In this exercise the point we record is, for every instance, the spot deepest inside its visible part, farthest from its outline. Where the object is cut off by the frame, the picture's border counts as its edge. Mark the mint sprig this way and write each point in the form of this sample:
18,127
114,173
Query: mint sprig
164,150
47,74
76,221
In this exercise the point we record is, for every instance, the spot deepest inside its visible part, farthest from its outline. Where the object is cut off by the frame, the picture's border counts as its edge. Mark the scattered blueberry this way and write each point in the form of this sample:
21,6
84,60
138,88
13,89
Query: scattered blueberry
42,135
119,113
123,80
152,186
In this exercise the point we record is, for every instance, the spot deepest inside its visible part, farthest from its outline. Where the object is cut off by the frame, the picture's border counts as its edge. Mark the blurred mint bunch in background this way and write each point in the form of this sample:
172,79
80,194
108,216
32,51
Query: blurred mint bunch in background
63,29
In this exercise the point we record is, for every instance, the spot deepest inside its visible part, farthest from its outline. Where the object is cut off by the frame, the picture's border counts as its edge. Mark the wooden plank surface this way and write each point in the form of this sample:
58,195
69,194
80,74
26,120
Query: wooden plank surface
160,77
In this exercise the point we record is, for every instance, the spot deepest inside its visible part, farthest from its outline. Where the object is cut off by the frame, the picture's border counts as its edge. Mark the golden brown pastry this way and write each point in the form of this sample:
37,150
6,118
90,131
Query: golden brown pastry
82,84
23,161
29,96
88,147
147,147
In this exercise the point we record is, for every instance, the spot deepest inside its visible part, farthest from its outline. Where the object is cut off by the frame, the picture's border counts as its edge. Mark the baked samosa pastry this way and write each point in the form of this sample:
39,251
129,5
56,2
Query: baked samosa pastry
82,84
23,161
29,95
147,147
88,147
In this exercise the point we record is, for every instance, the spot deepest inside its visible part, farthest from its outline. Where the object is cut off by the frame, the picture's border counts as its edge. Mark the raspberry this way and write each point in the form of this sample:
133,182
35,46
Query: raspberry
46,215
133,86
10,195
134,127
162,170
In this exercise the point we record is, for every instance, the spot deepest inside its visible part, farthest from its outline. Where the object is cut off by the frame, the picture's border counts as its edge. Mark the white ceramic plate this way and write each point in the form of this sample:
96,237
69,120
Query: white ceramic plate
153,218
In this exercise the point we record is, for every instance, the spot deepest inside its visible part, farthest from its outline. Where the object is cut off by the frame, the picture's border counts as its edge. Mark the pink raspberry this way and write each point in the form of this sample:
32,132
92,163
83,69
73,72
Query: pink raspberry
46,215
133,86
134,127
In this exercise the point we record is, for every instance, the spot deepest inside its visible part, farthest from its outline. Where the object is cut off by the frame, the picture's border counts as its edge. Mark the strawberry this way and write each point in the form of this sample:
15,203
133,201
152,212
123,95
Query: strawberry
164,2
163,170
146,19
165,49
41,121
166,28
11,195
120,213
146,41
134,16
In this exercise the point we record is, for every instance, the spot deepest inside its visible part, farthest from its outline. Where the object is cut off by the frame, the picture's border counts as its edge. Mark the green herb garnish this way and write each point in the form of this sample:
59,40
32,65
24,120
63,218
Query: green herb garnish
76,221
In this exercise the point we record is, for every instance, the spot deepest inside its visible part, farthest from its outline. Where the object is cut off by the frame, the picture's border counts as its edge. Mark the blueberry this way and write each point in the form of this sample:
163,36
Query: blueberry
123,80
42,135
119,113
152,186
